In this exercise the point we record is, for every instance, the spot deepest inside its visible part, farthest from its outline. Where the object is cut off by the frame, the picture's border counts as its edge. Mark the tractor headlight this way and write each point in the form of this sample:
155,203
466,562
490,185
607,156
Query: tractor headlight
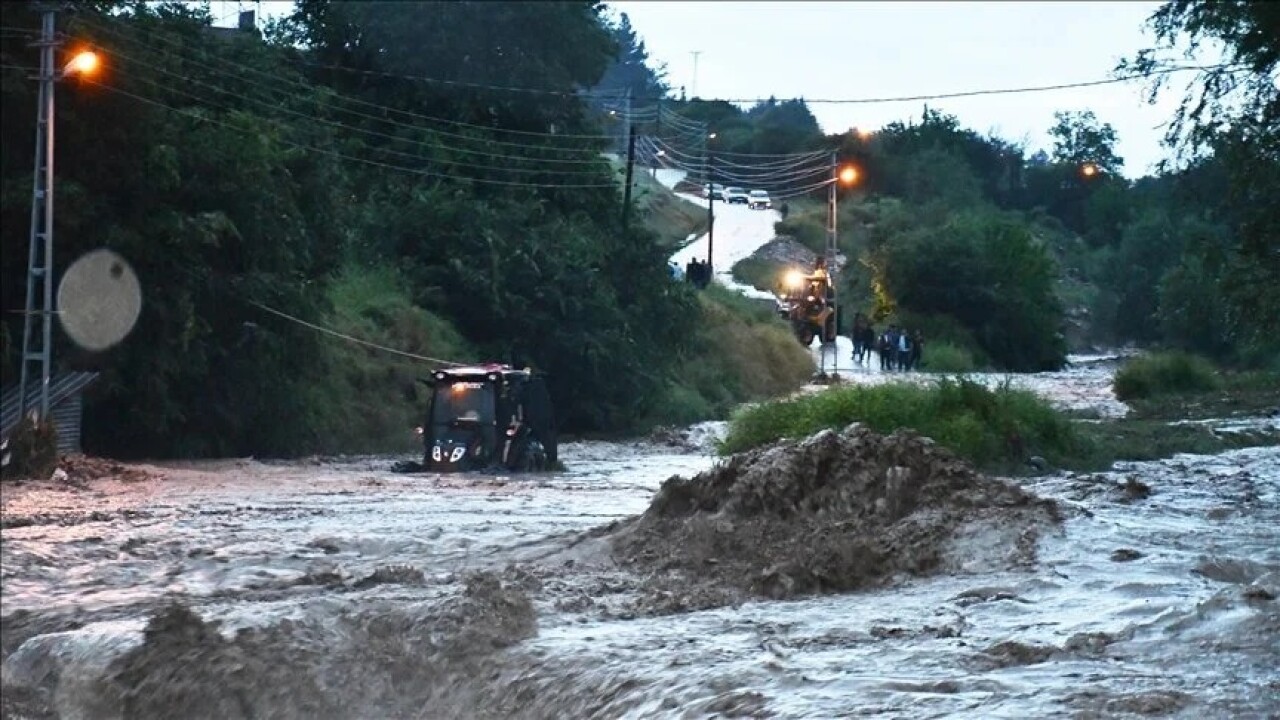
794,279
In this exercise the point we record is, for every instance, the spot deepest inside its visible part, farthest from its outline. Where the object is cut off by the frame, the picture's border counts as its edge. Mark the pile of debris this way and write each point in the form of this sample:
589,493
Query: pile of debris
838,511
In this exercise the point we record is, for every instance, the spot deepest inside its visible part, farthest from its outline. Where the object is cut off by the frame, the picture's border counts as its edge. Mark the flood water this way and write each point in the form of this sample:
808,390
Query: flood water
1155,598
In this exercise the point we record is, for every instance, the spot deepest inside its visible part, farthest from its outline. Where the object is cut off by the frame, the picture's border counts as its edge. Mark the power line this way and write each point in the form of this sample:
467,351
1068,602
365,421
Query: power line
341,156
130,37
808,101
389,151
350,338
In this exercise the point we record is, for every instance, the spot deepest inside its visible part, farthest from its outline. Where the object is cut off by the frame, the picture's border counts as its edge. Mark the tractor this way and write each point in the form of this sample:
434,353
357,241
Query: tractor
807,301
488,417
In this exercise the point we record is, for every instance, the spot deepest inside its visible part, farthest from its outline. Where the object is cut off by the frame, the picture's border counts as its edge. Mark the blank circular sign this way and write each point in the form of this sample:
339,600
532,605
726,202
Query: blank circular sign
99,300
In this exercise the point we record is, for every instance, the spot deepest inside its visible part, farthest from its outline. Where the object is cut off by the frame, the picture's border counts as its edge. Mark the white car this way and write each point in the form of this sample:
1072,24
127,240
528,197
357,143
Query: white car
714,190
735,195
759,200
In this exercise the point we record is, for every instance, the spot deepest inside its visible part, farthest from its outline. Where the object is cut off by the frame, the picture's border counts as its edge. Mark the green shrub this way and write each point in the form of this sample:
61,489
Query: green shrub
741,352
809,229
1164,373
998,428
759,273
943,357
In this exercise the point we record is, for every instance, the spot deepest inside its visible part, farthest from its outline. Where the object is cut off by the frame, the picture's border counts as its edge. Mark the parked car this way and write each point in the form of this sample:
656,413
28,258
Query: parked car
735,196
714,190
759,200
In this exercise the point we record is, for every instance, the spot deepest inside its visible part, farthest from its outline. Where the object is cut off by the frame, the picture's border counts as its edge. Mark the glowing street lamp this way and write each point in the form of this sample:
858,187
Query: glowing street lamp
848,175
1089,170
84,63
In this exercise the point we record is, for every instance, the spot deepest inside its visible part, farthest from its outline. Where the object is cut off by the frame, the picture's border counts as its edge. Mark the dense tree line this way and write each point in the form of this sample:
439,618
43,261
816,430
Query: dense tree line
233,169
1188,257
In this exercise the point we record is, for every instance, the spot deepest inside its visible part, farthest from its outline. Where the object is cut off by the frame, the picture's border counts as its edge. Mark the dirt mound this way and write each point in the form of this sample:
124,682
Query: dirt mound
350,664
81,469
838,511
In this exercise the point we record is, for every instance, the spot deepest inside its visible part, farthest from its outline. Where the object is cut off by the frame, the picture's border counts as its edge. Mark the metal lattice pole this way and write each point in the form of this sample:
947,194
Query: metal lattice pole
36,345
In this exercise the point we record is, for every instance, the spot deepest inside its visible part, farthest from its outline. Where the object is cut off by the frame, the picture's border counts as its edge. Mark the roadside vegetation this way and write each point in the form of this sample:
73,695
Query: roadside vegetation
1166,373
999,430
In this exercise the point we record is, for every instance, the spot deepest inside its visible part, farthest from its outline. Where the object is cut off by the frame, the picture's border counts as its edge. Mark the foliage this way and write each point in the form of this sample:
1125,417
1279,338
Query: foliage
740,353
944,357
992,428
1080,139
1164,373
381,389
630,71
988,272
1232,113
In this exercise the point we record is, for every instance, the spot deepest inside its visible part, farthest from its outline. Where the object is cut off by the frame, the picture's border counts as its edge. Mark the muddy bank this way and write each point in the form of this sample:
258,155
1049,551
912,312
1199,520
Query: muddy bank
376,659
836,512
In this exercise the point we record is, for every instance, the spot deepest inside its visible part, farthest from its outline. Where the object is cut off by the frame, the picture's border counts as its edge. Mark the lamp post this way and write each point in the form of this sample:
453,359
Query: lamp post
840,175
37,348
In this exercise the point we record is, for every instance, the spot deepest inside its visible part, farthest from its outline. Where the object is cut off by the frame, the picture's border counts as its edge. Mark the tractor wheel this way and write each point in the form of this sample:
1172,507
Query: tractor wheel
805,336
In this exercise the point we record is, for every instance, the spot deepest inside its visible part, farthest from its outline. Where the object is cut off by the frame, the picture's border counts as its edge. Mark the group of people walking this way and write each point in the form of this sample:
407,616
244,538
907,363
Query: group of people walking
897,348
698,273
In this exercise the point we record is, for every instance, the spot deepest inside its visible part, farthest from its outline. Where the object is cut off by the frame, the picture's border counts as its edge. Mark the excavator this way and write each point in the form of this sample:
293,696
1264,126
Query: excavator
807,301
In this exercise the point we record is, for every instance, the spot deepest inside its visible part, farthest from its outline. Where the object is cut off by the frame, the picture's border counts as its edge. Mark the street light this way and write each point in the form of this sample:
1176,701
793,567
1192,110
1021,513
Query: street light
85,62
840,175
1089,170
37,347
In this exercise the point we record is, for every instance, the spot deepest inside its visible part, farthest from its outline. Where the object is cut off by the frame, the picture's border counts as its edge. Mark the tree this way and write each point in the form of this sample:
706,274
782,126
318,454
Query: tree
630,71
1233,113
1080,140
987,271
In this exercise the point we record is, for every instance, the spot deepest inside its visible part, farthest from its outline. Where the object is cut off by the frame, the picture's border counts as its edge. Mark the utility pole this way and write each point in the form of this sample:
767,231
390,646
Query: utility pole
657,133
831,263
36,344
694,87
631,163
711,213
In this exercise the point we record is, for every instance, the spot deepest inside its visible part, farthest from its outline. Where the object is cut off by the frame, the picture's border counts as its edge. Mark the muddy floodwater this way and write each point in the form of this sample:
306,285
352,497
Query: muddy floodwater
338,588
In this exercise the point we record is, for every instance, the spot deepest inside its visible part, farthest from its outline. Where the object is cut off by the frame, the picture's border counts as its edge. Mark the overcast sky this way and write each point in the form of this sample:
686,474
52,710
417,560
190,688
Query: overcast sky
838,50
891,49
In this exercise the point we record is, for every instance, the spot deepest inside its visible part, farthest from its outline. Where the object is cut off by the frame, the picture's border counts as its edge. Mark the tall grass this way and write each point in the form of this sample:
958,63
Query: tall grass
742,353
945,357
372,400
1164,373
998,428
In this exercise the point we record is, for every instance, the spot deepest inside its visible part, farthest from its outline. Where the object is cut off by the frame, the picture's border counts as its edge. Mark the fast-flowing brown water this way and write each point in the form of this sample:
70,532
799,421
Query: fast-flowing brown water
337,588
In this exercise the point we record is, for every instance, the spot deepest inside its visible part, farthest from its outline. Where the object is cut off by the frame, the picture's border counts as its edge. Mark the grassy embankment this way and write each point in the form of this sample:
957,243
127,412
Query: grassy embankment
370,400
1000,430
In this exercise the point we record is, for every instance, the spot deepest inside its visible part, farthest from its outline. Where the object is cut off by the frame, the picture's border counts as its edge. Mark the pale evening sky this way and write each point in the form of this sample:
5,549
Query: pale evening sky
841,50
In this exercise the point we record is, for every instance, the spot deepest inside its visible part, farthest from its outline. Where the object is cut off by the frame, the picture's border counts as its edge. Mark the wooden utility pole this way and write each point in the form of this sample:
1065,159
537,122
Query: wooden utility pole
631,164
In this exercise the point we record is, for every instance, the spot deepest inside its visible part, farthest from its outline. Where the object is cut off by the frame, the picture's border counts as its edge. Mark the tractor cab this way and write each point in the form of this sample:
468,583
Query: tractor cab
807,302
488,417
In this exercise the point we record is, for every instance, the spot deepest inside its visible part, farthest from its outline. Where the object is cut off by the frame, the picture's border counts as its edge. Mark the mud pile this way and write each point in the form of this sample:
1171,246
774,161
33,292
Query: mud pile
377,658
838,511
81,469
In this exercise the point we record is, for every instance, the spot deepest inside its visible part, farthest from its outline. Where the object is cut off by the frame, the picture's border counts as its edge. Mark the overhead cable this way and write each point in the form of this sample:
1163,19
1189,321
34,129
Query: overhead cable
129,36
341,156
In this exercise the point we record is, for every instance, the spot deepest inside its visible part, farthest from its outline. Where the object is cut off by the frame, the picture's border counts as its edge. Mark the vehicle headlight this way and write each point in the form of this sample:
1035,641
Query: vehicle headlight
435,453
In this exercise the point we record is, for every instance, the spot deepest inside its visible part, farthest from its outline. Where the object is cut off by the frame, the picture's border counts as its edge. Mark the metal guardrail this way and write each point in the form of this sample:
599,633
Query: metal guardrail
61,388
